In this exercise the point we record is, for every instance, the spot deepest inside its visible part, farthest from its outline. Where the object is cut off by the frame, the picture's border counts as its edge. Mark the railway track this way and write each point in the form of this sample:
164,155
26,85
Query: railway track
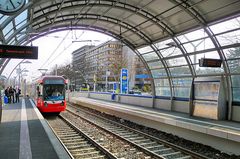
151,145
78,143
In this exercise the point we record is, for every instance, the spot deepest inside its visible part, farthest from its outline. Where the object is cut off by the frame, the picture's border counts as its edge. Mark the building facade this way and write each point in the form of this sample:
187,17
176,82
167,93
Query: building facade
100,66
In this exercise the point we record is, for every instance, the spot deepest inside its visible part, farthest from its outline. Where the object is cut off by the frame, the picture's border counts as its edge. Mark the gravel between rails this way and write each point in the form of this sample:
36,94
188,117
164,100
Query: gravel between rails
116,146
193,146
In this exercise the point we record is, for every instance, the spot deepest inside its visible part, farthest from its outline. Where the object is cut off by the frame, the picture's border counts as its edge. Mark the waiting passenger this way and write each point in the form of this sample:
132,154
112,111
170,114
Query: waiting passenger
56,93
17,94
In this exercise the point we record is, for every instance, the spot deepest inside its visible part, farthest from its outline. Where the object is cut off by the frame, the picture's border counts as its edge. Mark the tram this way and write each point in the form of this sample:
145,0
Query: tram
50,94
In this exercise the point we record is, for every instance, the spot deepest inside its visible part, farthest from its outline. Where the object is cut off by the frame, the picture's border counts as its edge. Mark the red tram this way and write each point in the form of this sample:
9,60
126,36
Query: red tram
50,94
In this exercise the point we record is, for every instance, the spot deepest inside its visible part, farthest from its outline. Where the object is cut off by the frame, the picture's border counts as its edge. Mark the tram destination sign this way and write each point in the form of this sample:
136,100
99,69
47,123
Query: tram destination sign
19,52
206,62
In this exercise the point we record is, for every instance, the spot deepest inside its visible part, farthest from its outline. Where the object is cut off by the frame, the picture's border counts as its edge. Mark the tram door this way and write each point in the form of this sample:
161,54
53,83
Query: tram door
208,98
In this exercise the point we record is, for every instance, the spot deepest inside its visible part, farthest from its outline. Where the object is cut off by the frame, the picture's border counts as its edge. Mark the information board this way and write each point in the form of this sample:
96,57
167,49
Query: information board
19,52
204,62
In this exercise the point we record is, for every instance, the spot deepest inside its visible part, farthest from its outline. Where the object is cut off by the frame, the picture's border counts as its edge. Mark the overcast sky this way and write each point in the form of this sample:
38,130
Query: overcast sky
55,49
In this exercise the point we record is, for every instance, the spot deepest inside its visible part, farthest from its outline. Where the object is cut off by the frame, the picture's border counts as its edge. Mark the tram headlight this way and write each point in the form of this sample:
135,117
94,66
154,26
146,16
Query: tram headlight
45,104
62,104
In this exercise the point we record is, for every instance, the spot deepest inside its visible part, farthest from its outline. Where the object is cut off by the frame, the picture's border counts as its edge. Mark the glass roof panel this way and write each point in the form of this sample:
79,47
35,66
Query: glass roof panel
234,65
161,82
232,53
164,44
145,49
162,87
163,91
12,42
159,73
176,62
150,56
19,36
198,34
182,81
155,64
183,92
233,59
229,38
8,30
199,45
172,51
236,87
182,87
212,55
207,70
21,19
226,26
2,18
180,71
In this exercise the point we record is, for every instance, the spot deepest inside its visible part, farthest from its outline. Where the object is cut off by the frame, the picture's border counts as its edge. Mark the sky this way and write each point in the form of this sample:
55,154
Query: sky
55,49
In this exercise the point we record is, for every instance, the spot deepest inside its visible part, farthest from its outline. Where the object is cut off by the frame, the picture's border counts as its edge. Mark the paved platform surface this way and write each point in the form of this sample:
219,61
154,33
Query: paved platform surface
223,135
24,134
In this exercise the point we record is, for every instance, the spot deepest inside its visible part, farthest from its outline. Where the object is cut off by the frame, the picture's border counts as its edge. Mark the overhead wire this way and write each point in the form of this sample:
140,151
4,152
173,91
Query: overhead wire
55,49
65,48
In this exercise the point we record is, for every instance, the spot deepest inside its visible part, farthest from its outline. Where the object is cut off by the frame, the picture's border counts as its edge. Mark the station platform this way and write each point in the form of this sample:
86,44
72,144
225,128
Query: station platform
24,134
222,135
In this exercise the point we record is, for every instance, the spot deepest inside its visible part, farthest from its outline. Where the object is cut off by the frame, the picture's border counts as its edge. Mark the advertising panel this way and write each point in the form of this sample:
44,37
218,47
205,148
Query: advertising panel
124,81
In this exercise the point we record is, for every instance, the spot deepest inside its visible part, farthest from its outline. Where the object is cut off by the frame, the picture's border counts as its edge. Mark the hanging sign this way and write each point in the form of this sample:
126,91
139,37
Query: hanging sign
19,52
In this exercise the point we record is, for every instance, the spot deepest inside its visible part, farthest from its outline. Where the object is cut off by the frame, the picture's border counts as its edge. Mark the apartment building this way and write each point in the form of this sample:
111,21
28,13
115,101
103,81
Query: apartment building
100,66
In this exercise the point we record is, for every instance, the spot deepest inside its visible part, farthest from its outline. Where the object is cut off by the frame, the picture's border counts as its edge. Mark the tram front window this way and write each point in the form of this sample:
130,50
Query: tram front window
54,92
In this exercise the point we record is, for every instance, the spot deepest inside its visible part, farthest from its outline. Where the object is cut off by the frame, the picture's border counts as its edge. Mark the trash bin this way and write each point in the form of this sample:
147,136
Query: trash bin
113,96
5,99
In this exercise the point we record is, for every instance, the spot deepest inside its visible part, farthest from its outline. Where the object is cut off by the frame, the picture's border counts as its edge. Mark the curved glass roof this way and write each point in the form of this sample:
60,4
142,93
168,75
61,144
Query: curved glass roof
170,36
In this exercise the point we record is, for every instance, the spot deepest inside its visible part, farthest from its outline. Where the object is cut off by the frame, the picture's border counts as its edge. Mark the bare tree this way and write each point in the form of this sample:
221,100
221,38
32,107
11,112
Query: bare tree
116,64
65,70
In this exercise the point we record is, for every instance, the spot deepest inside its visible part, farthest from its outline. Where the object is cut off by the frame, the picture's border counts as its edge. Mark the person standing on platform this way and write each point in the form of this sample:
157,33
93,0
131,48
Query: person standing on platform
11,94
6,92
14,94
18,92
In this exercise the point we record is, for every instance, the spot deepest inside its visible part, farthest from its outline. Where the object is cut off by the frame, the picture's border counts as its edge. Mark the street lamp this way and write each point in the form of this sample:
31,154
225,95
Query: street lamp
15,68
20,71
43,71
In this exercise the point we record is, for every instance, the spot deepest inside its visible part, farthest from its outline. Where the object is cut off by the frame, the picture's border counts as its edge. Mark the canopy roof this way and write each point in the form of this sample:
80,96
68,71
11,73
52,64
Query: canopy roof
135,22
168,35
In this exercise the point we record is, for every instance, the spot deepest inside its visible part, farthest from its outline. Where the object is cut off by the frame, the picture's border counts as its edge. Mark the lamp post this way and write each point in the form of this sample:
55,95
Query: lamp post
94,82
19,72
15,68
106,84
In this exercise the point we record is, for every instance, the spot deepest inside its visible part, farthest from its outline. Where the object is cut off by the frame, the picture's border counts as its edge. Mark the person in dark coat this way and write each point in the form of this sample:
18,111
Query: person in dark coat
18,92
11,94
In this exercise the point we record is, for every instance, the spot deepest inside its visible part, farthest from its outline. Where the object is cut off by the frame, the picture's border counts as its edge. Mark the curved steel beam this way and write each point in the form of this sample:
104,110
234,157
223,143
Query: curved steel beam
99,18
131,8
148,41
196,15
